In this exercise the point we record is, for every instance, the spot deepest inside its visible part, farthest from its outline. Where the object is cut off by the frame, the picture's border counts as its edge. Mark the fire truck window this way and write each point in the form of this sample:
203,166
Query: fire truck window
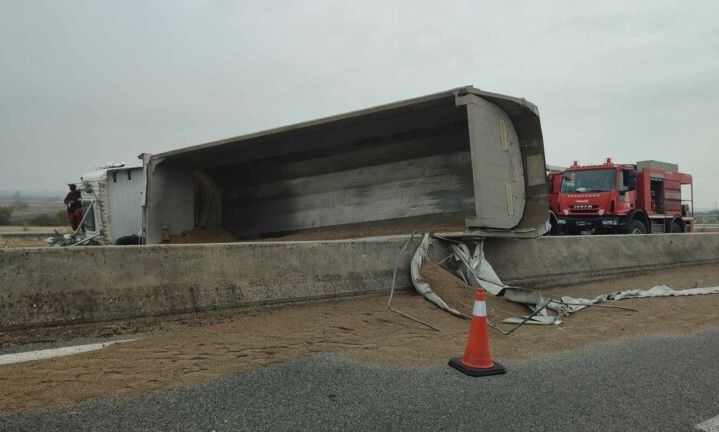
629,179
587,181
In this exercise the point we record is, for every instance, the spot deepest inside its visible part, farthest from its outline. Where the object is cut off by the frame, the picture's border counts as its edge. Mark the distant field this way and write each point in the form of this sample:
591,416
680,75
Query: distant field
36,207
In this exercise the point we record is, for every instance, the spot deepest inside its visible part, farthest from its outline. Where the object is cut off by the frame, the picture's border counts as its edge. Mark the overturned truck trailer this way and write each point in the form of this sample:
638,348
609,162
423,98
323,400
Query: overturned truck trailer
460,160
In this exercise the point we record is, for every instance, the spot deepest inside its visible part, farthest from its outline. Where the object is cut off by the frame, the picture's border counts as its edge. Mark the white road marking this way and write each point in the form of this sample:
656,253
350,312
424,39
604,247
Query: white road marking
711,425
56,352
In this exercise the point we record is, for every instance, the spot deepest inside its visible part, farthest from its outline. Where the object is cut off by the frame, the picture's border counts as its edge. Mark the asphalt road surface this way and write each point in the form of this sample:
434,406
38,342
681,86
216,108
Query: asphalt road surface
642,384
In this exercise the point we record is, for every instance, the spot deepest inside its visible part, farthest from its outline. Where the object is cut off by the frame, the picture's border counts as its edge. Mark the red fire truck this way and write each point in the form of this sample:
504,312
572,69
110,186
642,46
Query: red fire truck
640,198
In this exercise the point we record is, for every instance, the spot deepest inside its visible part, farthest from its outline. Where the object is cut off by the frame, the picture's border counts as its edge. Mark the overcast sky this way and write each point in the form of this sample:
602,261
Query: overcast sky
86,82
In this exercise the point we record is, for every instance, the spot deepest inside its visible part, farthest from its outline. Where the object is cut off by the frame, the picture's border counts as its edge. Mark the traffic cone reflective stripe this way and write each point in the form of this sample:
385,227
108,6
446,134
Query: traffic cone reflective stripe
477,359
480,308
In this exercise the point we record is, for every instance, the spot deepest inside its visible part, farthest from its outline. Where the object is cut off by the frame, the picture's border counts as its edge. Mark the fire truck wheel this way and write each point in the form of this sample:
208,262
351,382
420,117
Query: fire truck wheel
675,227
636,227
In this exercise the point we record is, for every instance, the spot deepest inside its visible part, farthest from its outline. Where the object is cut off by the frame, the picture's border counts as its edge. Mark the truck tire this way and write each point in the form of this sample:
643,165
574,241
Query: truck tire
675,227
128,240
636,227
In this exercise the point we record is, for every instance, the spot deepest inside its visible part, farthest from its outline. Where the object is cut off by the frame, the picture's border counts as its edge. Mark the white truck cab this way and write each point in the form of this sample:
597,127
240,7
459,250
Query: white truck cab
111,198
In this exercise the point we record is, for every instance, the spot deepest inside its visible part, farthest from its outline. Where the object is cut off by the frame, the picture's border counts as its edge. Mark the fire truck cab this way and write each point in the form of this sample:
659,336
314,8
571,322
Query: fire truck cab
640,198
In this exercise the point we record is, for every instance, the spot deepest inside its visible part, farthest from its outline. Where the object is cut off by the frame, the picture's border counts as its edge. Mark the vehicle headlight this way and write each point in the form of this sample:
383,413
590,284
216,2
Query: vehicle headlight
609,222
565,211
601,212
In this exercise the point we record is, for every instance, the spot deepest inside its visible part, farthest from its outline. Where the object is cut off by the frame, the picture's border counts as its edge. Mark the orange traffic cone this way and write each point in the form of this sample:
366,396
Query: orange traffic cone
477,360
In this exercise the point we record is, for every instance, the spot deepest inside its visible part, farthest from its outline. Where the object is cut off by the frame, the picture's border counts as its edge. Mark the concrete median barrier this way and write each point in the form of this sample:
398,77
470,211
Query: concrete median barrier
54,286
83,284
550,261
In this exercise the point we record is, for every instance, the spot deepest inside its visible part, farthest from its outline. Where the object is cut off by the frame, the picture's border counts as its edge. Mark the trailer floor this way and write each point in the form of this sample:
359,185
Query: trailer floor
447,223
191,349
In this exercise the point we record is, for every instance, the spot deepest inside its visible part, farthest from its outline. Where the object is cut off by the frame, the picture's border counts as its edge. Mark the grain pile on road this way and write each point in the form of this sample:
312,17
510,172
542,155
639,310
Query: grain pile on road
459,296
341,232
199,235
386,228
195,348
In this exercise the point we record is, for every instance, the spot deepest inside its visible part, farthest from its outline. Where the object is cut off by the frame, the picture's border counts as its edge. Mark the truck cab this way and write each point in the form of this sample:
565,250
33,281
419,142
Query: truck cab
622,198
111,199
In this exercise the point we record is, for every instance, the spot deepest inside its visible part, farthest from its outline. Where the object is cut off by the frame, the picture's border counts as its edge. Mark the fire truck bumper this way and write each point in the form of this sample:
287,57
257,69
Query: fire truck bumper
574,225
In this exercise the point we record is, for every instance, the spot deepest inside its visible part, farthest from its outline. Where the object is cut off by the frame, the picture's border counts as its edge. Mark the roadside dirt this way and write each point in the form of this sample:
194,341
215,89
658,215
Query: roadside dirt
706,229
21,242
191,349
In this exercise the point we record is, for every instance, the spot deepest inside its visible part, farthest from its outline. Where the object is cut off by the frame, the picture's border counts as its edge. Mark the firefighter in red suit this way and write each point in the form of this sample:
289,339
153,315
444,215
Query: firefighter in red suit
73,202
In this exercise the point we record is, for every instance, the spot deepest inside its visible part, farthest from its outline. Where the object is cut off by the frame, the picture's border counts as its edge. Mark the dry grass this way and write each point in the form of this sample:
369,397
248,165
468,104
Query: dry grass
21,243
27,242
